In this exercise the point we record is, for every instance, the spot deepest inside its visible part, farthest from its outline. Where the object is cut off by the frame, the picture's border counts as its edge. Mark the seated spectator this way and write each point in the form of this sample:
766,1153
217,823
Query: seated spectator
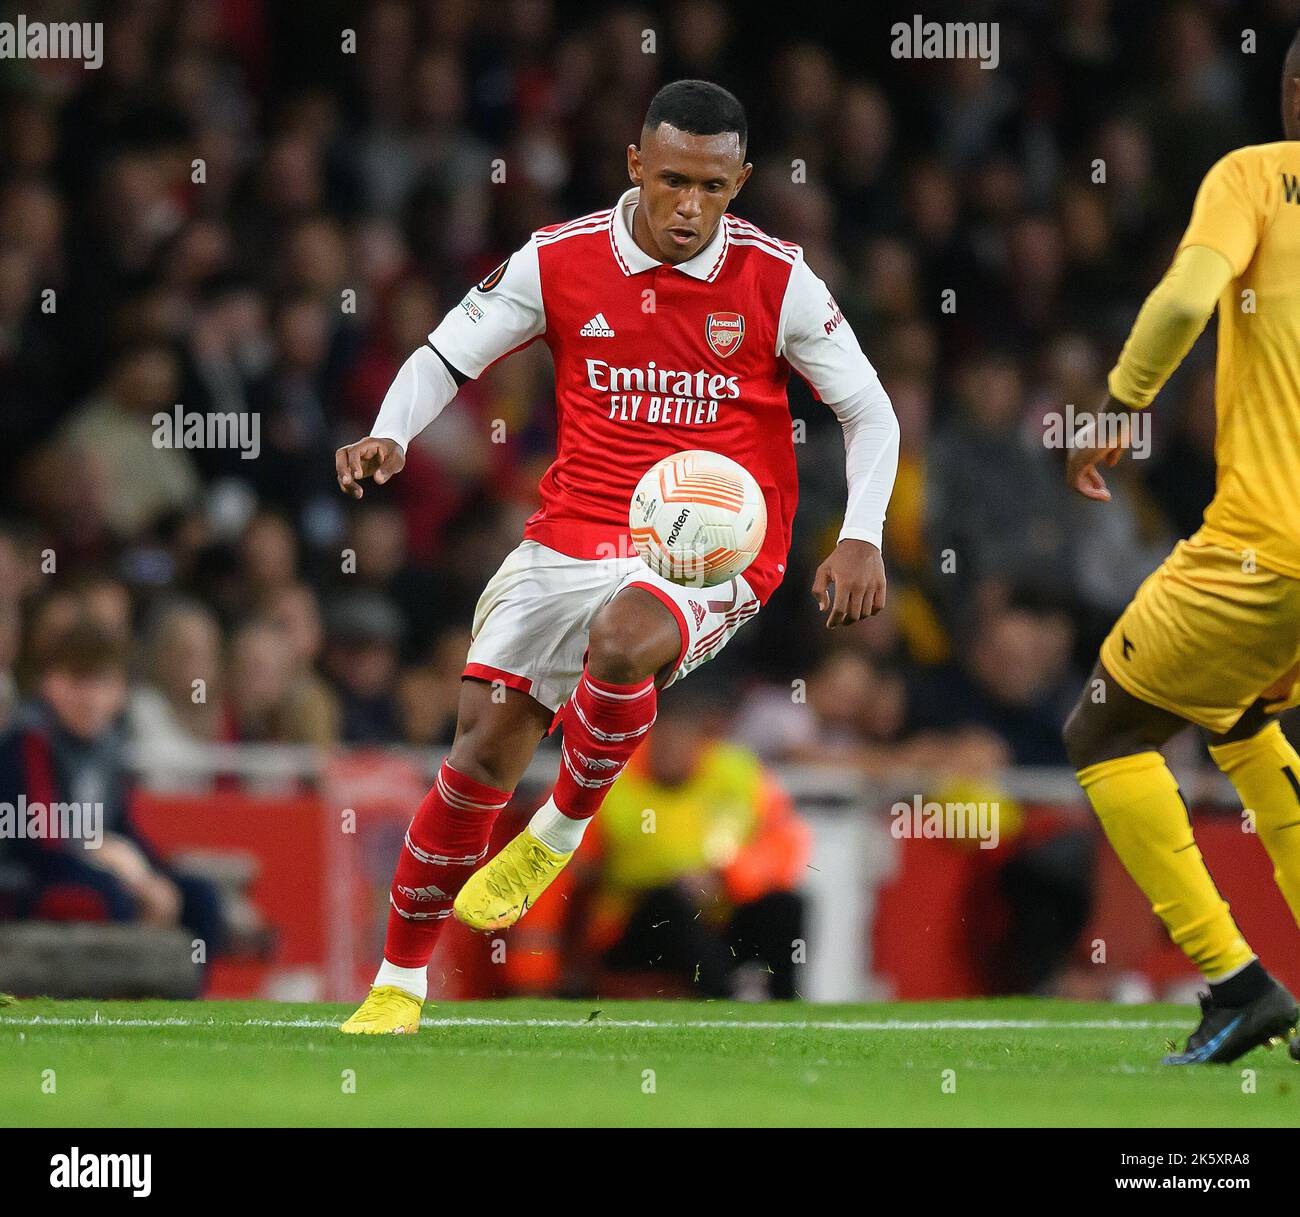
266,698
178,702
93,598
146,480
293,610
1010,527
363,632
67,747
823,720
429,694
699,853
268,553
854,712
1011,677
384,566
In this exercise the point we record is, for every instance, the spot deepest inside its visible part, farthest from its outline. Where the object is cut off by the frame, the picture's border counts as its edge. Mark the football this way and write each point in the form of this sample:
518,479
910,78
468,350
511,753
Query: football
697,518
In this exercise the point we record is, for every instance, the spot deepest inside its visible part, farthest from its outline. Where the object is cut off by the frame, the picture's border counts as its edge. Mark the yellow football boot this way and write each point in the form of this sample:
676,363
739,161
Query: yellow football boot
386,1011
498,894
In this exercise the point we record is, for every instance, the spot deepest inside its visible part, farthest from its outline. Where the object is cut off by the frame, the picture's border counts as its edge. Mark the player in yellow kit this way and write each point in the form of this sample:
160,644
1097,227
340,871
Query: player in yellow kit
1213,636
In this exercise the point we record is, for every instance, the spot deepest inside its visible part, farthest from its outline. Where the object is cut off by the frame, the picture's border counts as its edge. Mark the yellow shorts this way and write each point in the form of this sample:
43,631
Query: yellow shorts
1205,635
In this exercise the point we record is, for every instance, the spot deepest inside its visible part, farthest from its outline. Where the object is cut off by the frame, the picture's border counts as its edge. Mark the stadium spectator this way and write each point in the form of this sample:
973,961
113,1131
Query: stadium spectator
66,746
177,703
1010,676
429,693
266,700
828,718
1010,529
294,403
293,611
699,854
268,557
379,541
144,479
363,633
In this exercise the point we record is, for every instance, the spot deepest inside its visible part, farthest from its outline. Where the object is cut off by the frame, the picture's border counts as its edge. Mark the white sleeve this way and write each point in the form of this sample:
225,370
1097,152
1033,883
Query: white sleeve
503,312
420,390
819,343
870,460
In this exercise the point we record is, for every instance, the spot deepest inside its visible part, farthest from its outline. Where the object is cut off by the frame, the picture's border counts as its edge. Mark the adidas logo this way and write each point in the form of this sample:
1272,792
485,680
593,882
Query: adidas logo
422,894
595,762
697,611
597,327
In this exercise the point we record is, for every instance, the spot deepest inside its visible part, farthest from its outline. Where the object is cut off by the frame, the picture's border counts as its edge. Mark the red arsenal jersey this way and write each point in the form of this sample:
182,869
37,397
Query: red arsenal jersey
652,359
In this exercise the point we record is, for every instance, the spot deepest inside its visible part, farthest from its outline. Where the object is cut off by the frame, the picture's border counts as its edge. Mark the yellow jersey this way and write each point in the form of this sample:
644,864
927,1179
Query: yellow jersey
1248,210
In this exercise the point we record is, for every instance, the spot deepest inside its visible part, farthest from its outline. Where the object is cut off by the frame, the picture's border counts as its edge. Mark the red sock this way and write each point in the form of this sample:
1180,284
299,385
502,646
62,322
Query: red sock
603,724
447,839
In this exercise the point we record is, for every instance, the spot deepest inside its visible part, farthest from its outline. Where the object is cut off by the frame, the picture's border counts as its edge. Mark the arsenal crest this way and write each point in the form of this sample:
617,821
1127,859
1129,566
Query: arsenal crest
725,331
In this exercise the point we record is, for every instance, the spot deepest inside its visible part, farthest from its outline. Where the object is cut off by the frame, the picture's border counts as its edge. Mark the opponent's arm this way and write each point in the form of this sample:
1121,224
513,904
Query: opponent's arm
821,346
1168,324
1218,245
499,315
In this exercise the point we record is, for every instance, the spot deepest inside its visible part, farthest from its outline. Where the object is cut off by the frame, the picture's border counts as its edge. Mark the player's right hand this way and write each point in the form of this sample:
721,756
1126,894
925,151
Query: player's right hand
370,457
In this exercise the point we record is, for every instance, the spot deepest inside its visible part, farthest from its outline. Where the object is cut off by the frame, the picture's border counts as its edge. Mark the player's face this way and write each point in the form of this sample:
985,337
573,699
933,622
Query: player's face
687,182
1291,104
85,705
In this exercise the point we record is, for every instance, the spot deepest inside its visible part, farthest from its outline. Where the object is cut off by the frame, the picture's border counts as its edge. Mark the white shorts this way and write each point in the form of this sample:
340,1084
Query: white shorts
531,624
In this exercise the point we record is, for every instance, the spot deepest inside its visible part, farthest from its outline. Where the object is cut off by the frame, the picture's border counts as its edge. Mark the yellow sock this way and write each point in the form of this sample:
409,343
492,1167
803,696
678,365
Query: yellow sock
1258,767
1137,801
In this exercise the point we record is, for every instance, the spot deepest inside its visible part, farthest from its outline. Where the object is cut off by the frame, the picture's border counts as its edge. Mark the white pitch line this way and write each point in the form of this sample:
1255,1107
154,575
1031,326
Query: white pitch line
939,1024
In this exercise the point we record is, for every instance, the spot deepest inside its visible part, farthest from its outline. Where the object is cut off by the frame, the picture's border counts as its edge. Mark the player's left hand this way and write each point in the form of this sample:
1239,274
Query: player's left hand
850,583
1081,469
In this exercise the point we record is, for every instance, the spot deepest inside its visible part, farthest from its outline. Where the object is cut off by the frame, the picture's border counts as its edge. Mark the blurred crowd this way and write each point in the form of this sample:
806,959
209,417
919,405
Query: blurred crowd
242,213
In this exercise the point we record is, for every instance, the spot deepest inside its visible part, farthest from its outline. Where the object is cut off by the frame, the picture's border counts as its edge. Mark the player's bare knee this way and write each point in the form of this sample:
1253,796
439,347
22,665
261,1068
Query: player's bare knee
486,750
626,645
1092,735
614,652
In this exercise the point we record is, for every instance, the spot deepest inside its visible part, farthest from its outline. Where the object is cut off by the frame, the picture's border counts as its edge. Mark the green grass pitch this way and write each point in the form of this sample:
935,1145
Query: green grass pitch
1019,1062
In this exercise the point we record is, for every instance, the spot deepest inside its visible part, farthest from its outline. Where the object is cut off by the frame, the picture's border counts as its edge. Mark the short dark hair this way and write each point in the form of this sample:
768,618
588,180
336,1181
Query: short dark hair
83,648
698,107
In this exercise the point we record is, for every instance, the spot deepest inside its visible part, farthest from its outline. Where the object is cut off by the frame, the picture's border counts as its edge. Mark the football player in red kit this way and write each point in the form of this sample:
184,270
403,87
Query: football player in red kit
673,325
